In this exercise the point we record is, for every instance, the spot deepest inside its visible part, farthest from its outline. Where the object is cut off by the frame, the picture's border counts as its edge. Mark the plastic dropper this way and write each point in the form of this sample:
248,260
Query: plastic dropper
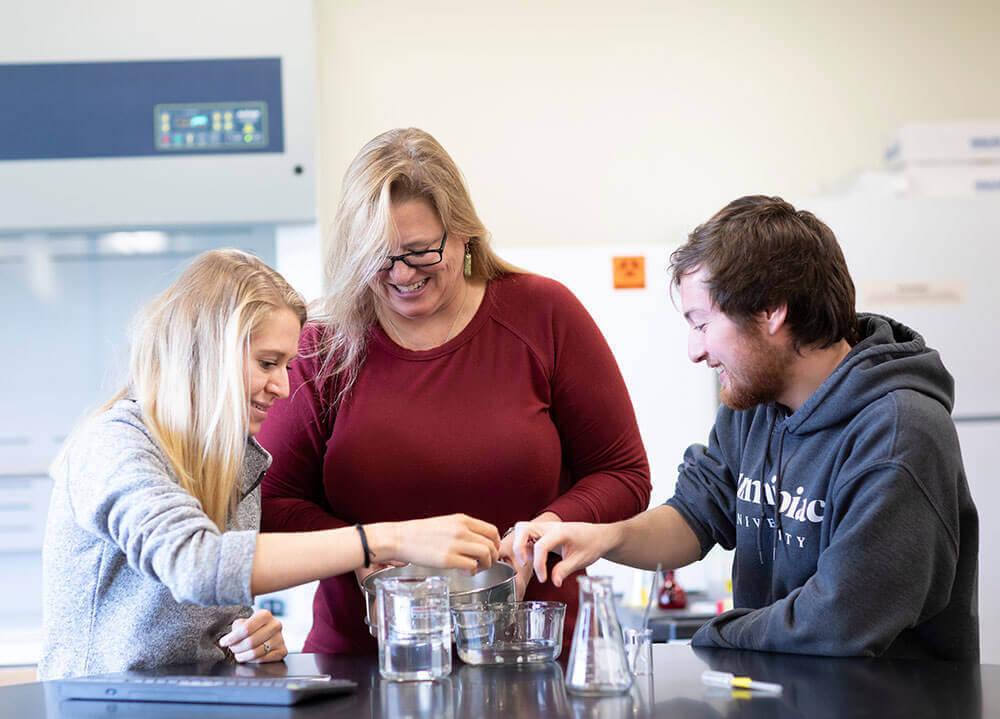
725,679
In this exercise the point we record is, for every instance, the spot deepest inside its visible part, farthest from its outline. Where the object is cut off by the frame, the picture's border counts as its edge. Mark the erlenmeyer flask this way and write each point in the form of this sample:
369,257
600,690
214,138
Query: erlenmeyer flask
597,663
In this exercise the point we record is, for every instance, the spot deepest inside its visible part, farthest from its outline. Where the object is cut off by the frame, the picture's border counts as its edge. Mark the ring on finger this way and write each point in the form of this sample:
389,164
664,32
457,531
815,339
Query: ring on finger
267,647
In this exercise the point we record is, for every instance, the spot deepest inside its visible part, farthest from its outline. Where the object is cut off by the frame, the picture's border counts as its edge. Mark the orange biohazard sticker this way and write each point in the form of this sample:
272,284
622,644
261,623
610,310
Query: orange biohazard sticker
629,272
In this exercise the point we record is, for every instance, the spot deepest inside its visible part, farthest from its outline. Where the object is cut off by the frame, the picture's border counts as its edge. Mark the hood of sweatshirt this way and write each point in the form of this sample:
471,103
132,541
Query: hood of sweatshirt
889,357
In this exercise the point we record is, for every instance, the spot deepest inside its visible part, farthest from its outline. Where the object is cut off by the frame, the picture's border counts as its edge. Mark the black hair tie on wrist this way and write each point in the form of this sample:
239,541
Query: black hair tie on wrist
364,545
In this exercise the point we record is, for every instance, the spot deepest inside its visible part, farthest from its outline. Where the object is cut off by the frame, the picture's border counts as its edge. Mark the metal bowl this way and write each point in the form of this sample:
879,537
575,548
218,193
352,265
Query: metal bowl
493,585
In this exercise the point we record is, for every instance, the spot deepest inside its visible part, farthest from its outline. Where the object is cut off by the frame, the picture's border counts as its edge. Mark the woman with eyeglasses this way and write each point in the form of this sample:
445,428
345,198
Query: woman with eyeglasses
439,379
152,554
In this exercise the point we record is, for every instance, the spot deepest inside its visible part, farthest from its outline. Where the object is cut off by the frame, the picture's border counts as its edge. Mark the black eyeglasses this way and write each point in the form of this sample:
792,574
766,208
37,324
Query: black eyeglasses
421,258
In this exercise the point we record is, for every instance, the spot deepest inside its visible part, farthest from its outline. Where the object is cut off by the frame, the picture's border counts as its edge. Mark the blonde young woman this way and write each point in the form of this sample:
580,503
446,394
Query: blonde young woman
152,553
442,379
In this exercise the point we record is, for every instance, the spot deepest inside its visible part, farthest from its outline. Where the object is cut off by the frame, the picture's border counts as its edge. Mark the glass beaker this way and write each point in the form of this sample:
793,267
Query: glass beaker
414,628
597,664
639,650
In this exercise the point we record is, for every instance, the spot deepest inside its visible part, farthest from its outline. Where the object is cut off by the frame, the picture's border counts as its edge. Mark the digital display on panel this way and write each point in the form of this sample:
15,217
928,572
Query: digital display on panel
210,126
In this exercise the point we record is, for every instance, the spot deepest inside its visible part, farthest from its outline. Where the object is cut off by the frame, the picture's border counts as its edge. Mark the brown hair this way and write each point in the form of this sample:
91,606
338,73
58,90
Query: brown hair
759,253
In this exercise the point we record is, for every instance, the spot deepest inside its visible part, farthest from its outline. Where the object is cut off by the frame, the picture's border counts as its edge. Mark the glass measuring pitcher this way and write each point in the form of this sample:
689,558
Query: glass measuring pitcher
414,628
597,663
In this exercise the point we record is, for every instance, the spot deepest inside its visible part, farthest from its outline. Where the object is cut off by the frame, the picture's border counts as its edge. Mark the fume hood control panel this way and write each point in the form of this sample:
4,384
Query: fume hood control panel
210,126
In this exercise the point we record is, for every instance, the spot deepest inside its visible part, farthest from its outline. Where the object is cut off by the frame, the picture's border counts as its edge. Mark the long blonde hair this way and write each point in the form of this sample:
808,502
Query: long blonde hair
398,165
188,360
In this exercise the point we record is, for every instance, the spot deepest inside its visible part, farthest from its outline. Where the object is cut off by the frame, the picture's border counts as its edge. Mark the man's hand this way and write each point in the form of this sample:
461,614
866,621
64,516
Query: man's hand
580,545
522,578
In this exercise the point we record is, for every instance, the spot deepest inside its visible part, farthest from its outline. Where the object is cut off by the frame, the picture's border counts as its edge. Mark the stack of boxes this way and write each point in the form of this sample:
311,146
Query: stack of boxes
947,159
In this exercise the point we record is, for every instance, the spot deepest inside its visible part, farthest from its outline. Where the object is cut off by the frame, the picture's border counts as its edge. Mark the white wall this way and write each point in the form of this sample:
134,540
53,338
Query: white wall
632,120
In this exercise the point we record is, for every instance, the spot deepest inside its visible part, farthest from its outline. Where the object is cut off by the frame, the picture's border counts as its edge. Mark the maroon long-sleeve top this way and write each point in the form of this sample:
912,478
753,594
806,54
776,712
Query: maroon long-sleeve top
523,411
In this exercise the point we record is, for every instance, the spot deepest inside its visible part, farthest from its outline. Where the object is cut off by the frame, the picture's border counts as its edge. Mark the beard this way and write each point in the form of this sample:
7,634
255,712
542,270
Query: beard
760,377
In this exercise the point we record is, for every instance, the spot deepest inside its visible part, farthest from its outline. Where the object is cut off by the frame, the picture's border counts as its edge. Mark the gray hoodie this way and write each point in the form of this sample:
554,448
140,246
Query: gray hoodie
135,574
854,529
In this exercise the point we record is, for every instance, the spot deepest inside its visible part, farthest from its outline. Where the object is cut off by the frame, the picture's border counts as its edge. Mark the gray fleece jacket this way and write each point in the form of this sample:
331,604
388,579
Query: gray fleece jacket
854,529
135,574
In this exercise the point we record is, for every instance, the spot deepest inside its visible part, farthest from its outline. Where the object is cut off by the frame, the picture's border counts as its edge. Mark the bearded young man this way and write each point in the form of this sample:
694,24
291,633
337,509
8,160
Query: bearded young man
833,468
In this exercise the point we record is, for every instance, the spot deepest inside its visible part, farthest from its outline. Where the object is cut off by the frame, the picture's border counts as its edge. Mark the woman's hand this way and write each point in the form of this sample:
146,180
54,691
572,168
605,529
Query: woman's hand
256,639
522,576
455,541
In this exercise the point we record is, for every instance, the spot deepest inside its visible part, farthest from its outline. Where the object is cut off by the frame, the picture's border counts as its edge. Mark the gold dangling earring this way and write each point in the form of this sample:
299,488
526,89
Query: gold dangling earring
468,261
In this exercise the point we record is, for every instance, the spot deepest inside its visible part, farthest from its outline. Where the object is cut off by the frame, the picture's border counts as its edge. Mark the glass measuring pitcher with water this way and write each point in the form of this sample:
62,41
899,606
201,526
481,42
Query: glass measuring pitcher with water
414,628
597,663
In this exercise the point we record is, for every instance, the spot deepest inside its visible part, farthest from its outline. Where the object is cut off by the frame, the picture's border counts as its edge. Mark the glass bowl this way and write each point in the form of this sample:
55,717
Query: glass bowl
520,633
